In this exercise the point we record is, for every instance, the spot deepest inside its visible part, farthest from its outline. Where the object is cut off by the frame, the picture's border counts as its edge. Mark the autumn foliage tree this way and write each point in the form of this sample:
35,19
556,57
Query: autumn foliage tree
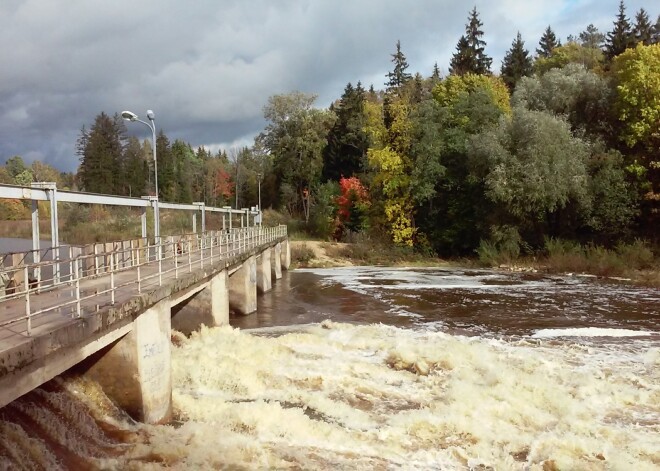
352,204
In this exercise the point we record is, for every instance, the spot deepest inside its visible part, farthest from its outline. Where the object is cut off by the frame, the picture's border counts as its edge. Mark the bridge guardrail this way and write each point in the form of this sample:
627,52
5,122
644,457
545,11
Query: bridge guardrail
174,254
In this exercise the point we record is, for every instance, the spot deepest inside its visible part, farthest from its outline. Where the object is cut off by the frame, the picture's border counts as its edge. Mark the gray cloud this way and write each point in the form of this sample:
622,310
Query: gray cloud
207,67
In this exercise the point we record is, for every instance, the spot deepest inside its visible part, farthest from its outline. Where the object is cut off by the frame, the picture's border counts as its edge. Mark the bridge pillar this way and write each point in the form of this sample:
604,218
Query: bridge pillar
135,371
243,287
276,261
286,254
210,307
264,280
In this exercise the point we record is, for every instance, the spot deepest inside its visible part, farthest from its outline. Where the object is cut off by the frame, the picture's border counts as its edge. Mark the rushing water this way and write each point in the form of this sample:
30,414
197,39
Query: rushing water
377,368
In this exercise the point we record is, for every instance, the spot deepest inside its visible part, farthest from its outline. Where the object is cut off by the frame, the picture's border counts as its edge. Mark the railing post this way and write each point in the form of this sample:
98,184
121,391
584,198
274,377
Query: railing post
139,280
160,263
112,278
76,265
175,248
27,301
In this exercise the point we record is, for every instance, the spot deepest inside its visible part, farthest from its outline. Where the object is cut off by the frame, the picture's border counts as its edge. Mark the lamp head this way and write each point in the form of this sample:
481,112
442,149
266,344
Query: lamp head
150,115
129,115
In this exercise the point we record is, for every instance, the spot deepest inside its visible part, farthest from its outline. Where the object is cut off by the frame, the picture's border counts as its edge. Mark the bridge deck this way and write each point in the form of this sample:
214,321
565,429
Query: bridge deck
75,301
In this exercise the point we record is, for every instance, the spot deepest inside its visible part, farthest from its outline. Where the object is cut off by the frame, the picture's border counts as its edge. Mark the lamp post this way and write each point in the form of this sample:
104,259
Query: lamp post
130,116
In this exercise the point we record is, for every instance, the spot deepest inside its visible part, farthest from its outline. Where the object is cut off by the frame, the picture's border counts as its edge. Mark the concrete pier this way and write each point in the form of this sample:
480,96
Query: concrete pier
209,306
243,287
286,254
135,371
264,280
276,261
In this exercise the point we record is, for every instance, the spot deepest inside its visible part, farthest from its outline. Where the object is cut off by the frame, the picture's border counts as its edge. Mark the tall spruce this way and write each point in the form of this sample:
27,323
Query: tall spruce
435,75
621,37
591,37
655,38
398,77
101,163
547,43
345,153
516,64
470,56
643,29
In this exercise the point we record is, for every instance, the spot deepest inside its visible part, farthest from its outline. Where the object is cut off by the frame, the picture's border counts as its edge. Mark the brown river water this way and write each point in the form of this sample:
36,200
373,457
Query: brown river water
382,368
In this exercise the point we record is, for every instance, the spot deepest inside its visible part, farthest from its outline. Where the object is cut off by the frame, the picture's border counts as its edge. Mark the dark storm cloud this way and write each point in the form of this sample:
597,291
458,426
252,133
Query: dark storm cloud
208,67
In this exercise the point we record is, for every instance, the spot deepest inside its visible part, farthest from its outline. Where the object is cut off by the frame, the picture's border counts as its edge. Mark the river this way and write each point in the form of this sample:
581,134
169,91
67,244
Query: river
381,368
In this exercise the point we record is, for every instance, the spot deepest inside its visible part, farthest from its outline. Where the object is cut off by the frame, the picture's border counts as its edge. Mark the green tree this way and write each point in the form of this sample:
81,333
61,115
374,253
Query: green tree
581,96
136,169
346,152
516,63
592,38
295,136
102,149
621,37
398,77
547,43
531,165
655,38
570,53
470,56
15,165
167,184
643,29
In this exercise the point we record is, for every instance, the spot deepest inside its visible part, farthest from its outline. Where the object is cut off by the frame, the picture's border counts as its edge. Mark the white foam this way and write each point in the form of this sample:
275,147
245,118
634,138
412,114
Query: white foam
590,332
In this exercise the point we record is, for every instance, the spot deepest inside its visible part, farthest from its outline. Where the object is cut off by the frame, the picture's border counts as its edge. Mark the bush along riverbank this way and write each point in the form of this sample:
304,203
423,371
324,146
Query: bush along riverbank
634,262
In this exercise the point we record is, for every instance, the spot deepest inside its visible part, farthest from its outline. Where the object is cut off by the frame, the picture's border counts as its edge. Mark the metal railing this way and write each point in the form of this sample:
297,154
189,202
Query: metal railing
88,281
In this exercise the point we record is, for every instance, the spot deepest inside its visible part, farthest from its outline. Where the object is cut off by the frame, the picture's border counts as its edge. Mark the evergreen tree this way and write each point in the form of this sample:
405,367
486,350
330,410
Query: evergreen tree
621,37
547,43
435,75
137,169
643,29
591,38
101,169
655,38
470,56
167,189
516,63
398,77
462,61
345,153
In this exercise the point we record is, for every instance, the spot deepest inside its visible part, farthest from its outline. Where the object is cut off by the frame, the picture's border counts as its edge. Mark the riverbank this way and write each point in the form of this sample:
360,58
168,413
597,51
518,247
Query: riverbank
321,254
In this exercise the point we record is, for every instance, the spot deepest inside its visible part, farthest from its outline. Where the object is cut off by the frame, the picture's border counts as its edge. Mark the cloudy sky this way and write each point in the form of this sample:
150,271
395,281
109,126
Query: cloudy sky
207,67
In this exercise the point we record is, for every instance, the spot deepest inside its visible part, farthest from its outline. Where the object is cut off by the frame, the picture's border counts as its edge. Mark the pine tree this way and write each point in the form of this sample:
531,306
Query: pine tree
655,38
516,63
547,43
435,75
643,29
462,61
620,38
346,151
592,38
101,167
398,77
470,56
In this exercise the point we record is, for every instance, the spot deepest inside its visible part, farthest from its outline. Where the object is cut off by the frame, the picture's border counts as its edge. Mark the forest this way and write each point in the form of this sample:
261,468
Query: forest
561,143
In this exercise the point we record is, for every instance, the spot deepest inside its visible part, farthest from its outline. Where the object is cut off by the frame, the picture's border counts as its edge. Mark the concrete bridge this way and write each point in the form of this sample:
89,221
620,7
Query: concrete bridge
111,307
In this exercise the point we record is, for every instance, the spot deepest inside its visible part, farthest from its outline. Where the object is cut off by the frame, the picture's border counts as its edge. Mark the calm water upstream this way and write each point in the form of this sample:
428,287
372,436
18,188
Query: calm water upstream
381,368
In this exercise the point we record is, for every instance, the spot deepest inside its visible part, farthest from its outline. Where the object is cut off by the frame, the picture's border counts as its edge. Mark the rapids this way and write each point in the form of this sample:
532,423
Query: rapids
377,368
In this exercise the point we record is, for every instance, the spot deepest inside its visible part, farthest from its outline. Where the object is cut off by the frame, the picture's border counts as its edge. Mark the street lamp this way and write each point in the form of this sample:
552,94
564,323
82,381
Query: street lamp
130,116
